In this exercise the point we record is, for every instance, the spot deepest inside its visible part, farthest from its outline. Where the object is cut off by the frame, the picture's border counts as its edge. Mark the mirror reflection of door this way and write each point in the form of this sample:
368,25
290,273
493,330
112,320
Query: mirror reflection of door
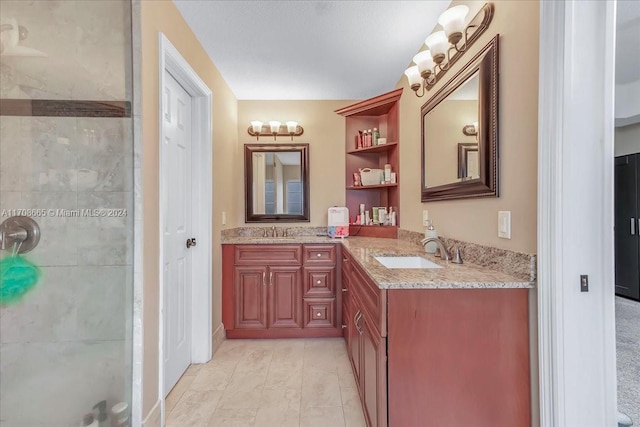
277,183
443,127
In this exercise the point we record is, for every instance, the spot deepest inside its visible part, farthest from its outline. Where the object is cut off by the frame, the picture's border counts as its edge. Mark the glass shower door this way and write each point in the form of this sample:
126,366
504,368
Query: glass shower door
66,162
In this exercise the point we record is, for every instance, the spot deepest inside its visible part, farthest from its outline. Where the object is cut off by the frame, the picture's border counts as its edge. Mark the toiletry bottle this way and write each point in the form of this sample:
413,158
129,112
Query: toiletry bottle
430,231
120,415
102,413
387,173
89,421
369,137
393,216
376,135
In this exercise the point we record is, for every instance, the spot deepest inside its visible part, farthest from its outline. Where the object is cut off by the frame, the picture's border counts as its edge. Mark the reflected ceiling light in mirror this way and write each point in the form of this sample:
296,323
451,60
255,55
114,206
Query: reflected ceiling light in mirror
470,130
445,47
275,128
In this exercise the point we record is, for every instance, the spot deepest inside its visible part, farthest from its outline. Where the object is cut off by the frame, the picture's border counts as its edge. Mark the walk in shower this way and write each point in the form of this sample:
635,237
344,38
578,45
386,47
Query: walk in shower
66,161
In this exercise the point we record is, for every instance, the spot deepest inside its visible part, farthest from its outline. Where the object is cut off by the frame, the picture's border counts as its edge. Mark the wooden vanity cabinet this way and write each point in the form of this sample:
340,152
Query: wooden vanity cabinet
437,357
280,291
366,346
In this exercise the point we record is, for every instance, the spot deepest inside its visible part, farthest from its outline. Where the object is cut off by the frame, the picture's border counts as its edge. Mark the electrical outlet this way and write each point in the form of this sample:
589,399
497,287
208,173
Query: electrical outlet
224,218
504,224
425,217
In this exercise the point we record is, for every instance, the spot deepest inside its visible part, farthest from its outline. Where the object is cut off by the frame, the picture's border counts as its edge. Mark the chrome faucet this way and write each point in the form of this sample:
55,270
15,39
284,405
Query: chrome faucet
443,249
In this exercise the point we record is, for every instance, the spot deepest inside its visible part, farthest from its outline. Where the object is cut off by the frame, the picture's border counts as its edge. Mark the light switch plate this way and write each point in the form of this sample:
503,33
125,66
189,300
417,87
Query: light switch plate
425,217
504,224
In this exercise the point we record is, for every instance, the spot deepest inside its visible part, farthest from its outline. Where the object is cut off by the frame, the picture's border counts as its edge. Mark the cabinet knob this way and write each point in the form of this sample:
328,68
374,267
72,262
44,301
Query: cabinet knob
344,289
344,326
318,282
318,255
318,314
345,259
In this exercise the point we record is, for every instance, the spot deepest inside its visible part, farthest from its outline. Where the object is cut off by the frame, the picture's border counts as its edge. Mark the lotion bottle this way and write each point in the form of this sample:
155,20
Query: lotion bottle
430,231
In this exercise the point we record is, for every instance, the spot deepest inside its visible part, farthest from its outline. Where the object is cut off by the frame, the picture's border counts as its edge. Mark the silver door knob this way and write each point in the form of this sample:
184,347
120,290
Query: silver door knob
191,242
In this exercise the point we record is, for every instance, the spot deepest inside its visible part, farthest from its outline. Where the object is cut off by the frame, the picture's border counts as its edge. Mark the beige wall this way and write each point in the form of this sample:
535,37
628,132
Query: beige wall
324,131
162,16
475,220
627,140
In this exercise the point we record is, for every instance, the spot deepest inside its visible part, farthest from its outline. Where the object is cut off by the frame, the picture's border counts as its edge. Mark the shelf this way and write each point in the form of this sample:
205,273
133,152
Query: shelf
383,231
374,149
371,187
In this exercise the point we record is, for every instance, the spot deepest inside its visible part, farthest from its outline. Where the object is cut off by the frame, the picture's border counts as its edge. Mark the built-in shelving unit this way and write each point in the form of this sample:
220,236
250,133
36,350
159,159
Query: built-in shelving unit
374,149
381,112
370,187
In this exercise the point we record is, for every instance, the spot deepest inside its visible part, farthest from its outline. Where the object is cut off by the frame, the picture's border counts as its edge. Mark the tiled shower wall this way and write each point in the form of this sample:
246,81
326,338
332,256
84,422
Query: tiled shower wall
67,344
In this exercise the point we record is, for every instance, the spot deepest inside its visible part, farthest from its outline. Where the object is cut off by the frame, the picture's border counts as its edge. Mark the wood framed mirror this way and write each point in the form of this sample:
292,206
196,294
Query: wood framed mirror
460,132
276,184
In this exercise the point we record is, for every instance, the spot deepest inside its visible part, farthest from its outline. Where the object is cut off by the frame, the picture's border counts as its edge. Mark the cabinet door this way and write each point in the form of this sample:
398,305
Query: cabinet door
285,297
353,347
250,294
373,371
627,277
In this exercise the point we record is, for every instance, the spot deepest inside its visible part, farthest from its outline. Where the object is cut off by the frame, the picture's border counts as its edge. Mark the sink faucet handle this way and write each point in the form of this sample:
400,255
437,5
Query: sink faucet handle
437,253
457,258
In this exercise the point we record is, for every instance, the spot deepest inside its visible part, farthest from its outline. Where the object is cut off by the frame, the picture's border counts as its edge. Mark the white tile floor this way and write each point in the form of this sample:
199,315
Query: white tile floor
269,383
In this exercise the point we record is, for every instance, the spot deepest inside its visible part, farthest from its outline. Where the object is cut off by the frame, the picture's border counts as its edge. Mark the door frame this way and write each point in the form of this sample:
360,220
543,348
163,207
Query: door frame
577,370
172,61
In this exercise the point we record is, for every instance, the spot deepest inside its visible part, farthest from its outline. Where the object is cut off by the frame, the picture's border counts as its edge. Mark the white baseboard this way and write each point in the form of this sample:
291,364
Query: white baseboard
154,418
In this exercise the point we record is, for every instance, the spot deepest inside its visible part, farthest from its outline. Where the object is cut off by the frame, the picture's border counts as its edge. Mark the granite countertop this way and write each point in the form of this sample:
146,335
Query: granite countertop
364,249
451,276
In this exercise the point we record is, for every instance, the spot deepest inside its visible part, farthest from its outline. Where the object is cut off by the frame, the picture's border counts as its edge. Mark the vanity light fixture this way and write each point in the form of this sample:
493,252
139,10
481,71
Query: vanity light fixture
444,47
275,128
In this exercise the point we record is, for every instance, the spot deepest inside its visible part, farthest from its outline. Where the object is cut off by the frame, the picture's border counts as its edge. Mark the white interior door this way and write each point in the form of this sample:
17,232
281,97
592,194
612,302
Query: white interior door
176,176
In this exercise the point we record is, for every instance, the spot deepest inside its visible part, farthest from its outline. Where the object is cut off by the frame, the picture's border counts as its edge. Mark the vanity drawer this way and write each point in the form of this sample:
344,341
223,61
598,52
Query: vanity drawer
319,282
268,254
320,313
319,254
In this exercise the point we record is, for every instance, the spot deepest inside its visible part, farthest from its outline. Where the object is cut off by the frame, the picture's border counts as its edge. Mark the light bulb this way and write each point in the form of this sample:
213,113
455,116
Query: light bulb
292,126
413,75
438,45
452,20
424,61
275,126
256,125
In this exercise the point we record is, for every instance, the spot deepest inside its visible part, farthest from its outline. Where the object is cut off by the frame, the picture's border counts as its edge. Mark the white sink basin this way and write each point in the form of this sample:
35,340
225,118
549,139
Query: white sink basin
406,262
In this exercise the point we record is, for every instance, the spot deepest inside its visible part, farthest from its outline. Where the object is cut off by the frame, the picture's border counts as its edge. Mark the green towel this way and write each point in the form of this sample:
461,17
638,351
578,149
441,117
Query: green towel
17,277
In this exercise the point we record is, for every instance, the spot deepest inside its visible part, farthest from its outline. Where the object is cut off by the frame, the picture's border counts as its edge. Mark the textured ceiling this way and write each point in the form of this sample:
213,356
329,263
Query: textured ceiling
311,49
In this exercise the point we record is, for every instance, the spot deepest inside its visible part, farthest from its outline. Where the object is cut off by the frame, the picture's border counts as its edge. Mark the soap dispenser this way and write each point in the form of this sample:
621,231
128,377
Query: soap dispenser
430,231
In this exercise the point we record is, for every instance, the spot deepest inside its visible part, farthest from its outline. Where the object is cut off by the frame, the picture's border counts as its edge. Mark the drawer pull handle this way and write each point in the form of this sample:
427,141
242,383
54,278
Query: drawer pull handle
264,278
270,278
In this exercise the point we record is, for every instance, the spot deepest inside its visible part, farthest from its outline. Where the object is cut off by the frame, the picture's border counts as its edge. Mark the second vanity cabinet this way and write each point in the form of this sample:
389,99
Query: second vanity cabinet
280,291
437,357
364,308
